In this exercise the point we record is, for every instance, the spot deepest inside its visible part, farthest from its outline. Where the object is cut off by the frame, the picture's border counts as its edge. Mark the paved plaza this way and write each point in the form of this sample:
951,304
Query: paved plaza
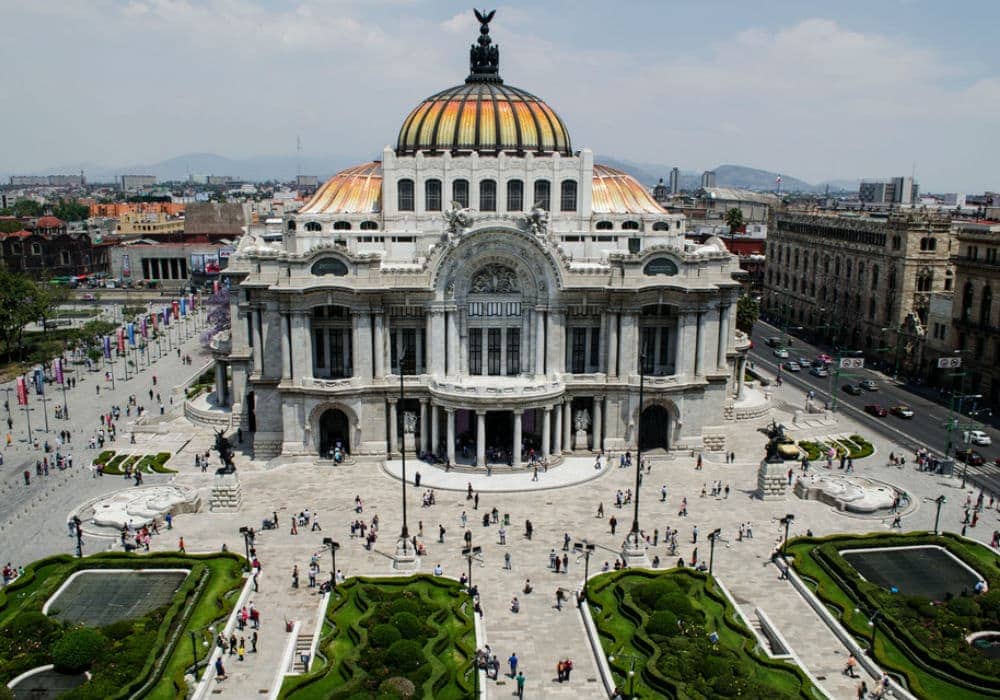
563,500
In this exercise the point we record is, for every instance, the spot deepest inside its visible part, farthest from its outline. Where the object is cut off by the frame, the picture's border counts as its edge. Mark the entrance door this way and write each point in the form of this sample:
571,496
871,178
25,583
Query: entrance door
333,430
251,414
500,429
654,427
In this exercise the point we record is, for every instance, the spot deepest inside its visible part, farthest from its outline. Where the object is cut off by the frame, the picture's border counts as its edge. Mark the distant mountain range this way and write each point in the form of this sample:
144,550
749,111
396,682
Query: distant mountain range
737,176
285,168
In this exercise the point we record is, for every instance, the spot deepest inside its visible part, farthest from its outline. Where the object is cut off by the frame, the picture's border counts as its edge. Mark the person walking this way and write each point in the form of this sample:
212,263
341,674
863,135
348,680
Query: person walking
180,546
512,661
613,522
506,561
520,685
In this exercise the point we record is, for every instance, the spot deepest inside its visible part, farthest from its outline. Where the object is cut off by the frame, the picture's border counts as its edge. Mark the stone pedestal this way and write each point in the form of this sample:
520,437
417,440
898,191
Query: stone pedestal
227,495
581,440
405,558
772,480
634,551
410,443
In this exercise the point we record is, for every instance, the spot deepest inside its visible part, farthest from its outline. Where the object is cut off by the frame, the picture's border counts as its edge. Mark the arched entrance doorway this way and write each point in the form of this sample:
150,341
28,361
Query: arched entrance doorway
334,429
654,429
251,413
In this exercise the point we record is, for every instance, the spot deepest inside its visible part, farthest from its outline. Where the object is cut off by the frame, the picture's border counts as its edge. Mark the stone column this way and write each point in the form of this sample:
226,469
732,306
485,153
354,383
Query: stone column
525,342
380,344
539,341
301,344
424,432
598,420
516,452
723,335
546,432
286,348
629,356
450,412
680,351
612,344
258,341
480,438
393,428
362,349
555,349
557,447
452,343
220,382
699,343
435,428
567,425
741,368
436,343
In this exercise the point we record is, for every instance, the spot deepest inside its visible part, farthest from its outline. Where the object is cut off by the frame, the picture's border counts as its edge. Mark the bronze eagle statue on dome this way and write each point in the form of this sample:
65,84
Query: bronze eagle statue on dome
484,18
484,59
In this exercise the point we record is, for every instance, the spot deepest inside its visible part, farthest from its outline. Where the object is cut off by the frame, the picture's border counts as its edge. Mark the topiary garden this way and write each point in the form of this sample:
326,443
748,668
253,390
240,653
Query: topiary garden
393,639
682,638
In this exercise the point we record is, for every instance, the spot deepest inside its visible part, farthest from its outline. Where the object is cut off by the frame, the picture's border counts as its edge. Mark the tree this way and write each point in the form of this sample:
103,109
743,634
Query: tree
18,307
747,313
218,314
734,220
70,210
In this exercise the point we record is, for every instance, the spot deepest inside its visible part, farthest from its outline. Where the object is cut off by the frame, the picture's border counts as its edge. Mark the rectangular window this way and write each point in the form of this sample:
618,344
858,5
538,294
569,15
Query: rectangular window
409,351
543,194
595,347
319,343
404,195
488,195
493,349
515,195
647,350
336,352
664,346
460,192
475,351
578,352
432,195
393,353
567,199
513,351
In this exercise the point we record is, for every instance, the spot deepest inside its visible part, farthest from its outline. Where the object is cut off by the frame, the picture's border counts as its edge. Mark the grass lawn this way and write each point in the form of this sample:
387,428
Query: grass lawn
383,633
917,638
150,653
116,465
662,621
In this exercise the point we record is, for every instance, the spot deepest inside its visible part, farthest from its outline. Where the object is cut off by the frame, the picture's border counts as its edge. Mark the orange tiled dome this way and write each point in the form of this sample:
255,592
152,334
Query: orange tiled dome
357,190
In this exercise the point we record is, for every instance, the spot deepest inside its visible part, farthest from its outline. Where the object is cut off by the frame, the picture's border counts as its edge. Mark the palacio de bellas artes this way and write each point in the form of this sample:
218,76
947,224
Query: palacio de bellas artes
517,286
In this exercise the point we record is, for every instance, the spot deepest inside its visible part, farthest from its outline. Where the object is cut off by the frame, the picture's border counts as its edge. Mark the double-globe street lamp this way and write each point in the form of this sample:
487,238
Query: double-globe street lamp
634,547
333,547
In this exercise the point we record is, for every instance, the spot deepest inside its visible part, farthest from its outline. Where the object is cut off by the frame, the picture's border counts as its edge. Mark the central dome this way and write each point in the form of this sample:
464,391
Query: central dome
483,115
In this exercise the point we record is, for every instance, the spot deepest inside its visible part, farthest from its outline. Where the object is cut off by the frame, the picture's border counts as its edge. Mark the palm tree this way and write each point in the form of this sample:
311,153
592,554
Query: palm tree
734,220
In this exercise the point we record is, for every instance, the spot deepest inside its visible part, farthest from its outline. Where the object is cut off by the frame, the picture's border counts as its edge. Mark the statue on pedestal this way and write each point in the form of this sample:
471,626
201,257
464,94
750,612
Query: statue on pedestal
225,450
581,421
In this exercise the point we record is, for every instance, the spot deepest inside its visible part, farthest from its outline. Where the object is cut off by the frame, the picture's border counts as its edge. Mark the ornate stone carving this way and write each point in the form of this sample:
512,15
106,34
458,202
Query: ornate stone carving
581,420
537,222
495,279
409,422
457,219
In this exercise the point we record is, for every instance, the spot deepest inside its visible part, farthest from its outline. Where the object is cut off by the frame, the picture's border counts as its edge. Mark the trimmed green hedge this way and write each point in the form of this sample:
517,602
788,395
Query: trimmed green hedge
144,463
923,642
388,632
816,451
662,622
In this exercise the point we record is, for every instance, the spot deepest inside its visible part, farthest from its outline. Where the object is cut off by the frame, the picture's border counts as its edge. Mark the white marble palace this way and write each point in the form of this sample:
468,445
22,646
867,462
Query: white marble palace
519,288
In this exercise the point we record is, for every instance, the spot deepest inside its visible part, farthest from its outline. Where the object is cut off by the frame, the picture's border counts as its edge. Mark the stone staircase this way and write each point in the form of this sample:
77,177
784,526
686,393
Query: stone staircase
303,645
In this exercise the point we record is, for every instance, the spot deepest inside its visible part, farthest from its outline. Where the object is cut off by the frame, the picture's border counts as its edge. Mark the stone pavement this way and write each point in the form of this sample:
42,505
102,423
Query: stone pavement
560,502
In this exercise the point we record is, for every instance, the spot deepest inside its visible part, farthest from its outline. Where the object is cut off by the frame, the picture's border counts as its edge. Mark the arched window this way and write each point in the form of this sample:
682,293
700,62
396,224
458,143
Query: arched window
369,226
795,264
826,265
341,225
805,262
432,195
661,226
874,276
630,226
849,266
291,225
986,307
515,195
488,195
404,195
314,226
836,267
949,279
460,193
567,198
329,266
543,194
604,226
660,266
925,280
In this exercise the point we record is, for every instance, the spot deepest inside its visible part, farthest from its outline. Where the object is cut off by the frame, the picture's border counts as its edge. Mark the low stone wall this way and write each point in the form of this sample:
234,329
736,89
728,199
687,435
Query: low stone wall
208,418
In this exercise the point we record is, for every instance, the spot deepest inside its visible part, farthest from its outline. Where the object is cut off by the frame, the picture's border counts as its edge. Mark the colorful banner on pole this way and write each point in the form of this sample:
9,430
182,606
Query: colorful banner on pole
166,315
60,377
107,347
22,392
177,309
184,306
40,382
121,340
215,286
193,304
131,334
145,327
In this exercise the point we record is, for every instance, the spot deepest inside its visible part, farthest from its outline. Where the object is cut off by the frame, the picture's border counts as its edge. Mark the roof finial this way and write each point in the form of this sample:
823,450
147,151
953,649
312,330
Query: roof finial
484,59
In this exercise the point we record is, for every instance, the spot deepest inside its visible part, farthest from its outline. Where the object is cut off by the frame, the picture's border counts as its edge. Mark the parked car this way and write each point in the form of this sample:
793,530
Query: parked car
824,358
976,437
819,372
804,361
852,389
876,410
774,341
970,457
902,410
793,366
781,352
868,385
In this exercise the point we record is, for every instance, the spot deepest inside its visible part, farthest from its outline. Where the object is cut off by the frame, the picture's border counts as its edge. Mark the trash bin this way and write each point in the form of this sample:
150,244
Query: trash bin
506,518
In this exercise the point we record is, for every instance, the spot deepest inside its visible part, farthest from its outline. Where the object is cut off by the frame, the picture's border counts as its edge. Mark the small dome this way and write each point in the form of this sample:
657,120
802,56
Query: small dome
487,117
616,192
357,190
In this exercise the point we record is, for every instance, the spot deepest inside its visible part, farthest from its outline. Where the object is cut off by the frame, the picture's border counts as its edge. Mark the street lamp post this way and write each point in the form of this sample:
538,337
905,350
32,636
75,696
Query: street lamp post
939,501
712,537
333,546
585,549
245,531
405,556
470,554
634,548
631,658
786,521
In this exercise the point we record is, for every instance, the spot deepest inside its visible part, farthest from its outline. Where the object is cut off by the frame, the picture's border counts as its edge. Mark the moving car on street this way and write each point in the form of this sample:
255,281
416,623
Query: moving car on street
852,389
868,385
824,358
970,457
781,352
876,410
902,410
774,341
976,437
819,372
793,366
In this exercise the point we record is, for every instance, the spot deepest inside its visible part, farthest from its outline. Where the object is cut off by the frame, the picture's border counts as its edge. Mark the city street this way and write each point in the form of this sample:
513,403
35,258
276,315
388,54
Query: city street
927,427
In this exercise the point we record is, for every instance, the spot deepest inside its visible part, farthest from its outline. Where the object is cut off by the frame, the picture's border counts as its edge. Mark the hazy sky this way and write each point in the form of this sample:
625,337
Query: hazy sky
816,90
